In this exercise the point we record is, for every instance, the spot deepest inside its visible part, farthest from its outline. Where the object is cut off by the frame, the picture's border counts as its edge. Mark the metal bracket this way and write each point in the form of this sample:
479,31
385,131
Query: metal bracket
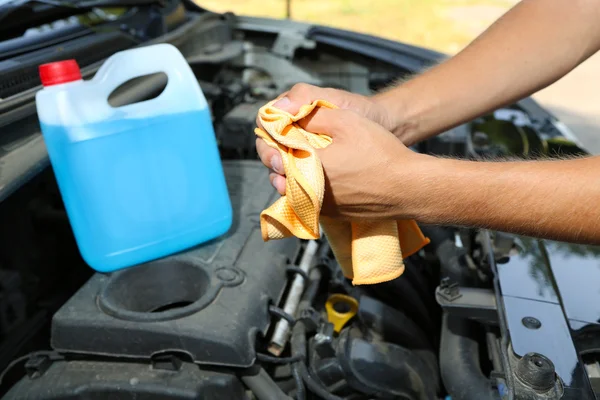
472,303
502,247
288,42
283,73
449,290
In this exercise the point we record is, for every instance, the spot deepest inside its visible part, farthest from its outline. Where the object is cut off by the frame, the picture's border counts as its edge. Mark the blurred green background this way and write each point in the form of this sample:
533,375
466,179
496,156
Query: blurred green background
443,25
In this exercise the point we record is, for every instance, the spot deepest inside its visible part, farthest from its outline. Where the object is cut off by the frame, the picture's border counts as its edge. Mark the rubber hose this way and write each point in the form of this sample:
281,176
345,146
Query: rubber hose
298,342
459,350
263,387
315,386
451,263
300,390
459,362
437,235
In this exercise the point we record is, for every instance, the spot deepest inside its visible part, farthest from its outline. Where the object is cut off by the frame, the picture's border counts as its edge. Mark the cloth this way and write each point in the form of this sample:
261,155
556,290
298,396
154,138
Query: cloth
368,252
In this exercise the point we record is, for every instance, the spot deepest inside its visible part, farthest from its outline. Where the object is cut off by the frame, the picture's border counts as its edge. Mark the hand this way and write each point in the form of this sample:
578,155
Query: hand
302,94
364,167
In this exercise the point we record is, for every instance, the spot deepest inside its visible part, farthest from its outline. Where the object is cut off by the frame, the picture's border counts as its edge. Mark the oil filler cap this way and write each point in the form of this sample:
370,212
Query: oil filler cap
59,72
340,309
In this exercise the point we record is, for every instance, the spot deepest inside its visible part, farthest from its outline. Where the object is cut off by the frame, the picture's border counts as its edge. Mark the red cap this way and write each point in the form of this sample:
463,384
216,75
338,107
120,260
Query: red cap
59,72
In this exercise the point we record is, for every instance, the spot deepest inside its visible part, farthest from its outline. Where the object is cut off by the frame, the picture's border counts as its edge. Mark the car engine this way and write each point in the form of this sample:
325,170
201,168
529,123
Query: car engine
238,318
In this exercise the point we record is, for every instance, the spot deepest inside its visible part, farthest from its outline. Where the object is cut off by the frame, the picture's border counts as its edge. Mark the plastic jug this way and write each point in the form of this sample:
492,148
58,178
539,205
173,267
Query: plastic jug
141,181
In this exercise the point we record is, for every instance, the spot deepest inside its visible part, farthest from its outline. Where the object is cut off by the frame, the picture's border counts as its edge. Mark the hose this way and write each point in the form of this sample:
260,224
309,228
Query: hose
437,235
300,389
278,312
266,358
298,270
315,386
263,387
459,350
459,362
451,264
261,384
298,342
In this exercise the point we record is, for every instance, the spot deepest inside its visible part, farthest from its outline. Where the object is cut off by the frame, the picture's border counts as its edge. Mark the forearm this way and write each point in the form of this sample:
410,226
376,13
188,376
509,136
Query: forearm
533,45
551,199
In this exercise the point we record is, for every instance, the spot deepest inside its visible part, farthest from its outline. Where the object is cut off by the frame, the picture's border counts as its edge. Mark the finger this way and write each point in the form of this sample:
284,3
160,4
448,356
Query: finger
269,156
327,121
299,95
278,182
265,152
258,124
282,95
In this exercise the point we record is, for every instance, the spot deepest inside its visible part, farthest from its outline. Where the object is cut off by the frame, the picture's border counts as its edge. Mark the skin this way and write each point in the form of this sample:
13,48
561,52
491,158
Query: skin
372,174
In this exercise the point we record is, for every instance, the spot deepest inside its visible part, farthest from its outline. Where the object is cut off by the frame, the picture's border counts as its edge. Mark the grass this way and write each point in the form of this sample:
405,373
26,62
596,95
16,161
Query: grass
443,25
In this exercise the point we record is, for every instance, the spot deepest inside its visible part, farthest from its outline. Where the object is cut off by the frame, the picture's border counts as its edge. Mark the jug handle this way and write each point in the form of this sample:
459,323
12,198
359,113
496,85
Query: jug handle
121,67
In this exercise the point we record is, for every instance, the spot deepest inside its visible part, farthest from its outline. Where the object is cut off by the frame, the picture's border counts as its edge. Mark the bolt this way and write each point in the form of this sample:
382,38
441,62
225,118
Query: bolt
531,323
536,371
537,362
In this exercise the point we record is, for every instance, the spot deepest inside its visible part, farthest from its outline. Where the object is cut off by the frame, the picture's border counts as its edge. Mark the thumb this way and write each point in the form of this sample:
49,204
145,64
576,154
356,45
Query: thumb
300,95
327,121
285,104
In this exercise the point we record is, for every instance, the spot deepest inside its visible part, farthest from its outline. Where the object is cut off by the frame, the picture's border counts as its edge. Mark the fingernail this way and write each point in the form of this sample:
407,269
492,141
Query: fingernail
276,164
283,103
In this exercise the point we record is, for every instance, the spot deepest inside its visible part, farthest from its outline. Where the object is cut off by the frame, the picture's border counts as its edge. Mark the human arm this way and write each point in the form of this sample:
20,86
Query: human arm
557,199
531,46
370,174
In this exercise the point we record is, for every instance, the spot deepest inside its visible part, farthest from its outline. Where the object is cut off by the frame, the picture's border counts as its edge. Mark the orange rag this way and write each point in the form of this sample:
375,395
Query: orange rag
368,252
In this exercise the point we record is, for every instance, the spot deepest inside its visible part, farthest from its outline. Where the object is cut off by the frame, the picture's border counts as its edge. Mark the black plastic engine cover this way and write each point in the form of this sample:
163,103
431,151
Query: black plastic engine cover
113,380
208,303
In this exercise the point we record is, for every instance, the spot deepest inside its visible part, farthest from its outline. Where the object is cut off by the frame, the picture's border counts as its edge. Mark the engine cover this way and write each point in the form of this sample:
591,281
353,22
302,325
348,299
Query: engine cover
126,381
209,302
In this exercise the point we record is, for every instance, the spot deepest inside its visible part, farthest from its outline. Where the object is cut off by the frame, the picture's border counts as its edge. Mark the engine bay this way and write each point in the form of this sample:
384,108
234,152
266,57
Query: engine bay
238,318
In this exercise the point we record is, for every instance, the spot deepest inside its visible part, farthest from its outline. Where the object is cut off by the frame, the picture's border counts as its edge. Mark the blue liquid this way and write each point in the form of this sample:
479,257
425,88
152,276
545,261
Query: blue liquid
140,189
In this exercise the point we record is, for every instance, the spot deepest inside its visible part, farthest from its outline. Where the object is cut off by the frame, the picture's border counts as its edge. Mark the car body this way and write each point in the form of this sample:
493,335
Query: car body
477,315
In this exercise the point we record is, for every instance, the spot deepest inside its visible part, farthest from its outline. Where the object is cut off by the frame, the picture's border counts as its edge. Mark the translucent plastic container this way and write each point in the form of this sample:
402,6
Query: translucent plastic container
142,181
